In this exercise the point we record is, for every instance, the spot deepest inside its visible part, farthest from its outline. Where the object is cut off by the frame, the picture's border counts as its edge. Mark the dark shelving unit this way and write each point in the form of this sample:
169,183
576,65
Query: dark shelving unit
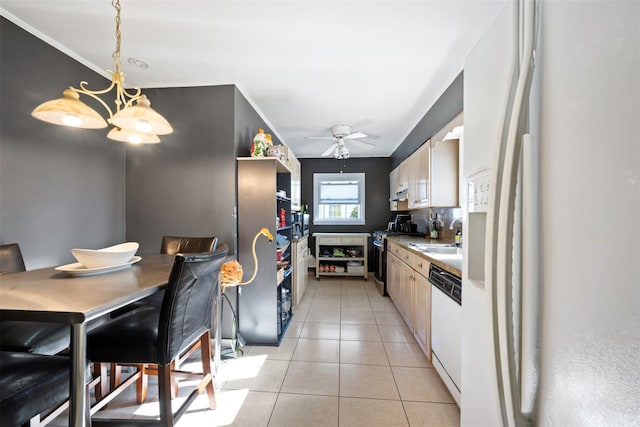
265,305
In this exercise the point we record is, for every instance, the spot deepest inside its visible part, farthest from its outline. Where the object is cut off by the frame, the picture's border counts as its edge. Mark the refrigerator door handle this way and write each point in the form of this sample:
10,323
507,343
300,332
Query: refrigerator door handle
503,292
530,276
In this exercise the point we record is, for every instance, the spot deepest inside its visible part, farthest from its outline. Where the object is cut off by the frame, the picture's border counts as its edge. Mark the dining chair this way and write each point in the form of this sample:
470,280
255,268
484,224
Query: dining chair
11,260
170,245
32,385
25,336
152,336
174,244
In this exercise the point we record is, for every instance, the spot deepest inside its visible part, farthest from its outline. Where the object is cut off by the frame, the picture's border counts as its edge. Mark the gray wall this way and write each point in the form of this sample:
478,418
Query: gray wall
377,214
448,106
185,185
60,188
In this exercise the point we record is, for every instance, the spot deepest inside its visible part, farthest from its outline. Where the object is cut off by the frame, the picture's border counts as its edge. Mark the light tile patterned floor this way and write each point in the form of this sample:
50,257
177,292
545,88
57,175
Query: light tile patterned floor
347,360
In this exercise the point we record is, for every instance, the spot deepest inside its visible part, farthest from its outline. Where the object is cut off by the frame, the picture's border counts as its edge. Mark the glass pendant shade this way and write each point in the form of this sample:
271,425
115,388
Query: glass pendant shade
141,118
69,111
124,135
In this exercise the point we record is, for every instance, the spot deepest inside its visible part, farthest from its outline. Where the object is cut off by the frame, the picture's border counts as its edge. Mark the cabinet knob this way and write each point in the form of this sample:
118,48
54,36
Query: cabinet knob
420,265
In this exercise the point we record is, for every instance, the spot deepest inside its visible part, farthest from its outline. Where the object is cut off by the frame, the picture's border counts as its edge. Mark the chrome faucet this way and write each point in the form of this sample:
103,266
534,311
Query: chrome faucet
458,218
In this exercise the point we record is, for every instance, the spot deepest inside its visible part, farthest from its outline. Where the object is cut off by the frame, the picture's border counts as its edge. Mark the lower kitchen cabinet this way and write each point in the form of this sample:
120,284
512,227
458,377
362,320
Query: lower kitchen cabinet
422,313
410,291
405,300
300,248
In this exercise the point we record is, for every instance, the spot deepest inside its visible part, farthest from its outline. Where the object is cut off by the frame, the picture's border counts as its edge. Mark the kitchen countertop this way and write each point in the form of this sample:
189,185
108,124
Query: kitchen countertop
450,263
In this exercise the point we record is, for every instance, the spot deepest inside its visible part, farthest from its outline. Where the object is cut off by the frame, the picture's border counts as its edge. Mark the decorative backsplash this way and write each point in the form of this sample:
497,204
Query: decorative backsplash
446,216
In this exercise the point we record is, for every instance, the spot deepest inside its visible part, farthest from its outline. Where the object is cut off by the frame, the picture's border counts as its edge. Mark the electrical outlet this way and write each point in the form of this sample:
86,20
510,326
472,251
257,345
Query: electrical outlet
440,219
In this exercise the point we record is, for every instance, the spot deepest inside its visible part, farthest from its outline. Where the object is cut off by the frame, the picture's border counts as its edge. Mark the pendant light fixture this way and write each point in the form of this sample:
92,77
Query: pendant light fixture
134,120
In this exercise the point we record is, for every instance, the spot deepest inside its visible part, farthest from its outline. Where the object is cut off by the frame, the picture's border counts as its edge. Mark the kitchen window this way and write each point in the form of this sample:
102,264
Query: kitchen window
338,199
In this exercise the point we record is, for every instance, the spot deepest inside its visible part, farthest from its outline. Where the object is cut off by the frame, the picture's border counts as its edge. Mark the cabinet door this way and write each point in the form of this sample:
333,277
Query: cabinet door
393,187
412,178
422,313
406,293
300,269
392,277
444,173
295,185
403,175
422,176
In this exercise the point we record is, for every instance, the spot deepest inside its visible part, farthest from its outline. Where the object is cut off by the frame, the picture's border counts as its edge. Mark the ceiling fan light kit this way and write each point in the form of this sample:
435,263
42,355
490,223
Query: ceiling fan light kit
134,120
342,134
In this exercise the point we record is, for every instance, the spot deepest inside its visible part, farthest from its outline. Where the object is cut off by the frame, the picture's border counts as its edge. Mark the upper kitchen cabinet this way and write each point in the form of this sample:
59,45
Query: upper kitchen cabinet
397,192
419,167
403,177
430,176
444,169
292,162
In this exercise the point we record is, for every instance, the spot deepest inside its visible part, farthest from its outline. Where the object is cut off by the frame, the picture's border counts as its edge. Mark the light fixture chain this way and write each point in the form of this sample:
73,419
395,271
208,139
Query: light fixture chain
116,53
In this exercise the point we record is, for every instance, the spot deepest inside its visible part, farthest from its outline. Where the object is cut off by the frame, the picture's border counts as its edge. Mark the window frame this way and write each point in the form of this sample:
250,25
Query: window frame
318,178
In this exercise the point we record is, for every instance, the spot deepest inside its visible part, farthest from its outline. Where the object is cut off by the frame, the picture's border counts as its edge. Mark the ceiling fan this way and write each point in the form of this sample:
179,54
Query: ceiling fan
341,135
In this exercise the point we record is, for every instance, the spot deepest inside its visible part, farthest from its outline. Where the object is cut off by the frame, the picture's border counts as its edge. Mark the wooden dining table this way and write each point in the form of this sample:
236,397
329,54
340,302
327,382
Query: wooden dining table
48,295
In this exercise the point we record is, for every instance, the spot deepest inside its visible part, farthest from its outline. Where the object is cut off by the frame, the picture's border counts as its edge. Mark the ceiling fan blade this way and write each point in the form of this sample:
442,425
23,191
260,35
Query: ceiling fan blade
330,149
356,135
363,144
320,137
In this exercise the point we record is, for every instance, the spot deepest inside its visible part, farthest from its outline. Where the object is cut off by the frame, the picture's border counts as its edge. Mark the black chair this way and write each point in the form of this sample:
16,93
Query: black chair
152,336
30,337
191,245
11,260
170,245
30,385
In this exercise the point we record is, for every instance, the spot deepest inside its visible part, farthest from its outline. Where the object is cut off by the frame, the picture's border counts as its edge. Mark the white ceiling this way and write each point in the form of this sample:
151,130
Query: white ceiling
304,65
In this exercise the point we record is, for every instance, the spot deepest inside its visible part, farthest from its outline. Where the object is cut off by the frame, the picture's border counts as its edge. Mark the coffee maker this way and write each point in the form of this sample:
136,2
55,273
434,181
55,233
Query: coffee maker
400,223
299,224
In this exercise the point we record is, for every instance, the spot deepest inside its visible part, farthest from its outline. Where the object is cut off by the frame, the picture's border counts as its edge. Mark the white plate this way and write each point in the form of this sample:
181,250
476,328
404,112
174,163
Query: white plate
77,269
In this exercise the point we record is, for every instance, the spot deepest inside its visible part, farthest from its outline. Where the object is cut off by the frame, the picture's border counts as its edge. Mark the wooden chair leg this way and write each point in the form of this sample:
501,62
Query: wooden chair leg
141,384
164,385
100,370
116,375
205,351
174,382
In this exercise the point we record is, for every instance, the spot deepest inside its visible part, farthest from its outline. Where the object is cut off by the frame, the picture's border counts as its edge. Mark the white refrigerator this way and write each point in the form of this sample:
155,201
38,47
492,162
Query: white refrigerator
551,167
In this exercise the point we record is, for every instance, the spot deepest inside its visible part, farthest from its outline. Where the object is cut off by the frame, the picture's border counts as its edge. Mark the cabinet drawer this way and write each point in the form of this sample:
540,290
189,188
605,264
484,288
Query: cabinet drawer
352,241
329,240
421,265
406,256
393,248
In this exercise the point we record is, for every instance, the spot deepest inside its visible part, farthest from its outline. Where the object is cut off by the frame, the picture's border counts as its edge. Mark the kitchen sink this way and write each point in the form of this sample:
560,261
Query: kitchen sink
428,246
445,250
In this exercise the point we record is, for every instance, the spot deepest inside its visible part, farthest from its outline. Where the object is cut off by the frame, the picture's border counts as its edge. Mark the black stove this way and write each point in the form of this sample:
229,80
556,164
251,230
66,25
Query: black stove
380,258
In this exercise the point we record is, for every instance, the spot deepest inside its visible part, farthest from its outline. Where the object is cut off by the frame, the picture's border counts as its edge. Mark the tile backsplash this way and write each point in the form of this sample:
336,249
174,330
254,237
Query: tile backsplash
447,215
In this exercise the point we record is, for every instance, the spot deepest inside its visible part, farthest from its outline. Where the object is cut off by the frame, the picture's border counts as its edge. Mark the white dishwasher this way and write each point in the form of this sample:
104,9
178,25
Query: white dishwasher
446,327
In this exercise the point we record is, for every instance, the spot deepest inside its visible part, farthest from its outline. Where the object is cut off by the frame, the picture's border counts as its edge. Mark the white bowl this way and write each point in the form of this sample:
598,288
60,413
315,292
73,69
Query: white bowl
106,257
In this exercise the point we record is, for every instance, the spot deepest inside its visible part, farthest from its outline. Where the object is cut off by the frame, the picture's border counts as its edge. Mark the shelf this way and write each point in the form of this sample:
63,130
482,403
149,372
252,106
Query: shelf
340,274
350,243
283,274
259,315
